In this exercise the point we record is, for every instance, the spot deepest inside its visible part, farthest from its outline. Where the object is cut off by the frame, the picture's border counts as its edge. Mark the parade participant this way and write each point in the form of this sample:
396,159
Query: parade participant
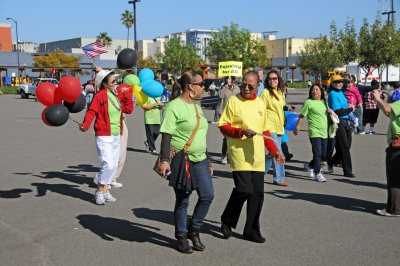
338,103
89,90
227,91
243,116
180,118
353,96
315,109
152,122
106,109
392,156
260,73
274,99
371,109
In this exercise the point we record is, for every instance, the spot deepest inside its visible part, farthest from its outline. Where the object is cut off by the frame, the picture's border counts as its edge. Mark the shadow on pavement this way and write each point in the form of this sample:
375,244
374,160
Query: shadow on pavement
338,202
110,228
224,174
14,193
62,189
361,183
167,217
83,168
137,150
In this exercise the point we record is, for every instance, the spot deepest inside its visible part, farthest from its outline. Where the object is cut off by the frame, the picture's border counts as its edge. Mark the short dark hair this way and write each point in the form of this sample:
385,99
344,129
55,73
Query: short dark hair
374,83
396,85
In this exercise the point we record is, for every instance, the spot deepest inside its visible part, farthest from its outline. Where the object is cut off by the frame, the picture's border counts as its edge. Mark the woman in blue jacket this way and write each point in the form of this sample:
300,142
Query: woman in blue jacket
338,103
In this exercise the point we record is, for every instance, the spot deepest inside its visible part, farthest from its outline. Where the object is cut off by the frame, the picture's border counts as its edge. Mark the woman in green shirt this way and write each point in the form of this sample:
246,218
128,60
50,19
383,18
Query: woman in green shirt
392,156
179,121
315,109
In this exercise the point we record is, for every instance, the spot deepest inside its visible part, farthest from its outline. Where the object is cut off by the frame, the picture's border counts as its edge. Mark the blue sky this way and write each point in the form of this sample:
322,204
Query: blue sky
45,21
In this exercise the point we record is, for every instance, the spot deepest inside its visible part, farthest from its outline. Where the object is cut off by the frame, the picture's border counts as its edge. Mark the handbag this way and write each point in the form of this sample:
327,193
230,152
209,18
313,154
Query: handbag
184,159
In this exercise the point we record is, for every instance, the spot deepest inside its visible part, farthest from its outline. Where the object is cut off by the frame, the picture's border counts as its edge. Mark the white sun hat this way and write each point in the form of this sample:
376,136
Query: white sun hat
100,76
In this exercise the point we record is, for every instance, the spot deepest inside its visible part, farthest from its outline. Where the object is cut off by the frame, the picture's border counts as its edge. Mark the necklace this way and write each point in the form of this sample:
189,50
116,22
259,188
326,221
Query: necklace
112,102
186,104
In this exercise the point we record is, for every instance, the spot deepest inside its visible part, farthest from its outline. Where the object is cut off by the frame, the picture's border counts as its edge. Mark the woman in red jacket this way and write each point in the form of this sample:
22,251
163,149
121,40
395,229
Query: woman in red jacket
107,109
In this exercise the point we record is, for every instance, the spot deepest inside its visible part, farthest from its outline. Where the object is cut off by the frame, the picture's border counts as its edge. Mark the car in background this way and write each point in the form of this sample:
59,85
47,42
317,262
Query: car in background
28,89
210,102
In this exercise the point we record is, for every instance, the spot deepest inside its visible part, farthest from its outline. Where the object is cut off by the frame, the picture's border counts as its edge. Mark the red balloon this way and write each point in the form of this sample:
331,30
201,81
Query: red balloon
57,96
45,93
70,88
130,88
44,118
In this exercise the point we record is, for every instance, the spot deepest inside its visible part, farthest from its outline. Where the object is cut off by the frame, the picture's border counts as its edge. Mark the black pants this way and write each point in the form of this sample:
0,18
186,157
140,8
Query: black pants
224,147
342,146
152,132
393,179
249,185
285,149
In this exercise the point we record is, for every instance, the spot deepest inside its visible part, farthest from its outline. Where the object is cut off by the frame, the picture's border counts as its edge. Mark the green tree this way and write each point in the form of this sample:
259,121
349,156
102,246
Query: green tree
57,59
127,19
148,62
347,45
319,56
386,44
366,53
234,44
104,39
178,58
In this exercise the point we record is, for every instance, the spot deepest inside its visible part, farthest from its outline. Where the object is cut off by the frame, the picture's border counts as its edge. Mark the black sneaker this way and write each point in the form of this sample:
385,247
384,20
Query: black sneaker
290,156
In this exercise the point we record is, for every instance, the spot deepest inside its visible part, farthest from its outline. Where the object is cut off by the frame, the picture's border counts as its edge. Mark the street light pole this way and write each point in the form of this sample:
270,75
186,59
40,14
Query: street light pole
16,29
134,28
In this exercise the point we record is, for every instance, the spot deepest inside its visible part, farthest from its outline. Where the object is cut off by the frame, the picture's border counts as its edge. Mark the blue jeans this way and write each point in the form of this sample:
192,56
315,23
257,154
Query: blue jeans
205,191
89,98
358,113
278,169
319,149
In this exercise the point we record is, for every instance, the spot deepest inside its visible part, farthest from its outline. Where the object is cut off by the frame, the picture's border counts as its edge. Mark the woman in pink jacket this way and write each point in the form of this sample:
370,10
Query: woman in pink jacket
353,96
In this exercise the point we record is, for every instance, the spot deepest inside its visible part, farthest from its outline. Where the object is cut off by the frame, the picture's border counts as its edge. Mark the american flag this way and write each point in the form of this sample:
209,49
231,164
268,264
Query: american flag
94,49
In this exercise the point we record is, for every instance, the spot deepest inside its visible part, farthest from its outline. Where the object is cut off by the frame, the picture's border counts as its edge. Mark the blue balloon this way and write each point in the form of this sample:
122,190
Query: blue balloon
143,83
153,89
291,121
146,74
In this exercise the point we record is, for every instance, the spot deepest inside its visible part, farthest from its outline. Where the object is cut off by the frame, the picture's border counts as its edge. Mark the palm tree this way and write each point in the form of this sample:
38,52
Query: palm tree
104,39
127,19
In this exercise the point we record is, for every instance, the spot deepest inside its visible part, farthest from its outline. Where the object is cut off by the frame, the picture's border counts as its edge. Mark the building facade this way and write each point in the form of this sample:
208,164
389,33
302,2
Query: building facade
5,37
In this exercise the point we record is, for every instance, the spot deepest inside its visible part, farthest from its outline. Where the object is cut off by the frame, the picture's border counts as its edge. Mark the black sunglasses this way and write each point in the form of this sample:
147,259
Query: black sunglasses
243,86
201,84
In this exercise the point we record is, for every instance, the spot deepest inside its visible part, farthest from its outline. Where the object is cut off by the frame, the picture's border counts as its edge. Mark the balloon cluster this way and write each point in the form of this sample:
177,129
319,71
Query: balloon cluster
56,113
143,86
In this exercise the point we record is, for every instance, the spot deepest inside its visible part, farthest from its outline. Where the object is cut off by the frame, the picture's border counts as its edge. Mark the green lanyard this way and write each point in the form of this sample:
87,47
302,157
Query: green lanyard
113,103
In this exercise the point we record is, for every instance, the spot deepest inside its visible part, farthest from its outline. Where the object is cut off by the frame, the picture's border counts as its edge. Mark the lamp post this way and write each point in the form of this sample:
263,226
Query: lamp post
134,28
16,29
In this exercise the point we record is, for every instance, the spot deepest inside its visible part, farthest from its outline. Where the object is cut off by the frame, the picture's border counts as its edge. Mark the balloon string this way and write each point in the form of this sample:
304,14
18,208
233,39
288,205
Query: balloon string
75,121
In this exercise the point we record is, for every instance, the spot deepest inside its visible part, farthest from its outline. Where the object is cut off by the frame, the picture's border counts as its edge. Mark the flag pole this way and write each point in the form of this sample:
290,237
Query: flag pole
87,55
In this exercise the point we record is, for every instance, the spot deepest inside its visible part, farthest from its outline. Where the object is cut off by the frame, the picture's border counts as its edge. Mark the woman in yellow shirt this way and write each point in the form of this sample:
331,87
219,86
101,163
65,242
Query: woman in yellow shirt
274,98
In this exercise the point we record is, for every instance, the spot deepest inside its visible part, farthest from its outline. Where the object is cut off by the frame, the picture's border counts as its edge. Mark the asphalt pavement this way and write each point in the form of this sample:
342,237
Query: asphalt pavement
48,216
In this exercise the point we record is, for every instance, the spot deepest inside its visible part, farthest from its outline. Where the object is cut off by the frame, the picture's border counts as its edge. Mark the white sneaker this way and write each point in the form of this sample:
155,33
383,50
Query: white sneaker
116,184
214,122
96,179
224,160
108,197
310,172
356,122
99,198
320,178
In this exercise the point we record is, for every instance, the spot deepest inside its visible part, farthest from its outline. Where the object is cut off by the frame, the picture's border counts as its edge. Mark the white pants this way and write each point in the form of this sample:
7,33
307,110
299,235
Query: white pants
108,152
122,152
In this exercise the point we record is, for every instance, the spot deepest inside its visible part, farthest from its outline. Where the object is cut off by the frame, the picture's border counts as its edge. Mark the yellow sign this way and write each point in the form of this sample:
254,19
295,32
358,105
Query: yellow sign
230,68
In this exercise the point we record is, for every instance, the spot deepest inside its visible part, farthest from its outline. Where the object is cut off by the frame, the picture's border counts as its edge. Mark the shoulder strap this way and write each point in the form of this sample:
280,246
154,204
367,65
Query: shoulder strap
194,131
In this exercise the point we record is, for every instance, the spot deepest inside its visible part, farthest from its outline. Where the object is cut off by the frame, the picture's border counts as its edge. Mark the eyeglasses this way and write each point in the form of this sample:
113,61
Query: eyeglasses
338,81
201,84
244,86
112,81
274,78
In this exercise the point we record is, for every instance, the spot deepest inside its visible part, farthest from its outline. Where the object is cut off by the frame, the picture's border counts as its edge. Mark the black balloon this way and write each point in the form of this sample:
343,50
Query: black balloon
76,106
126,58
56,115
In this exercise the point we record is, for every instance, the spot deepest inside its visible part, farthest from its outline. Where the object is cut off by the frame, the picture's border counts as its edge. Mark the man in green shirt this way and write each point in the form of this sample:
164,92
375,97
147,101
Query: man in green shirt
152,122
392,156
